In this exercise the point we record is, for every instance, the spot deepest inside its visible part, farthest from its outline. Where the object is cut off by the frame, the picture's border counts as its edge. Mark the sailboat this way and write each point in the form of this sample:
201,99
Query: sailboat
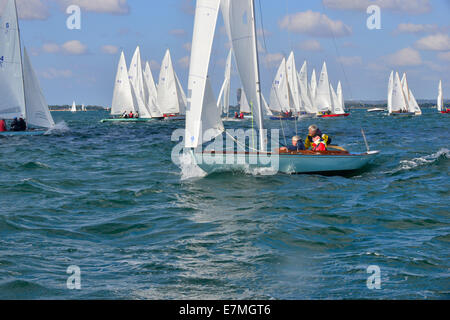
223,102
83,108
305,93
327,102
281,101
440,100
413,106
171,97
20,92
397,100
203,121
130,93
74,107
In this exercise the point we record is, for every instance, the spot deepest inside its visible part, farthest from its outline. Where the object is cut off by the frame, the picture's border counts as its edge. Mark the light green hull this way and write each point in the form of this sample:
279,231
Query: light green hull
128,120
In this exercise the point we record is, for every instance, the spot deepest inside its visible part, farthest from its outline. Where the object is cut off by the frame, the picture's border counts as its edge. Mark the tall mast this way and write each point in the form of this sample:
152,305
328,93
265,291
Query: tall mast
21,59
263,146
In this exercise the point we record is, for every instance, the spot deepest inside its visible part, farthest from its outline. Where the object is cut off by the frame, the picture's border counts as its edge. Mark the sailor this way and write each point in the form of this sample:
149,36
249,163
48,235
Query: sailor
3,126
316,140
15,125
22,125
131,116
124,115
137,115
297,145
241,116
236,115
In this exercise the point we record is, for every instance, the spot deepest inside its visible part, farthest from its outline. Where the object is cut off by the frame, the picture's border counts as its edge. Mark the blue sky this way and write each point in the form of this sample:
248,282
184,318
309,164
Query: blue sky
81,64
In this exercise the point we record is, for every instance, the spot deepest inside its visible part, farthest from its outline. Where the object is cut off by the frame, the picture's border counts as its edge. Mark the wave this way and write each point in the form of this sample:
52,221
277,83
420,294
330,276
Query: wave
189,169
406,165
58,128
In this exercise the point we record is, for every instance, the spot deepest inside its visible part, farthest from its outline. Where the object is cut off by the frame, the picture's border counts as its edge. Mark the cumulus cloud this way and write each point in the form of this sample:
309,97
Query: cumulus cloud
444,56
416,28
29,9
273,59
118,7
73,47
314,24
310,45
350,61
184,62
110,49
53,73
406,6
404,58
435,42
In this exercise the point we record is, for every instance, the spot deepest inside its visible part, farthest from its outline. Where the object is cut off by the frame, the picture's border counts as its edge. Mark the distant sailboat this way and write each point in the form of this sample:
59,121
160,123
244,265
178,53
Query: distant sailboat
280,97
305,93
74,107
20,92
399,102
440,100
171,98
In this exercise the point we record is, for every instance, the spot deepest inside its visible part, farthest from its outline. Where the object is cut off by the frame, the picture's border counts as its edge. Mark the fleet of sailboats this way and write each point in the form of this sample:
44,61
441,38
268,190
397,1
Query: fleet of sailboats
292,93
20,92
401,100
203,118
135,92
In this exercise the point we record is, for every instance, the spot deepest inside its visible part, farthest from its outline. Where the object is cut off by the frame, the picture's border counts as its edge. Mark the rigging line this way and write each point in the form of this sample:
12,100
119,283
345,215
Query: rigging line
243,146
339,55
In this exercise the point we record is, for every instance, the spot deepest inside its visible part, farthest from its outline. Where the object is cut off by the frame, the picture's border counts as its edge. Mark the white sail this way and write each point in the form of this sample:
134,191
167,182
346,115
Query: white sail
293,83
224,96
122,96
323,96
12,96
151,93
202,114
335,103
266,106
340,107
440,99
83,107
399,103
279,95
168,91
182,99
414,105
304,91
74,107
244,105
242,26
390,89
313,87
37,112
136,77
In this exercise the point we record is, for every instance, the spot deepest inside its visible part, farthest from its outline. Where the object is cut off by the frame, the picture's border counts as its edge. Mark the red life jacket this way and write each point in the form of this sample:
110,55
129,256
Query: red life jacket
2,126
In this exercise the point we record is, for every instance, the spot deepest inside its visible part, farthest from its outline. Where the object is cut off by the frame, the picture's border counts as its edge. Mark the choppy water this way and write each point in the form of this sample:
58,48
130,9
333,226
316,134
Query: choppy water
107,198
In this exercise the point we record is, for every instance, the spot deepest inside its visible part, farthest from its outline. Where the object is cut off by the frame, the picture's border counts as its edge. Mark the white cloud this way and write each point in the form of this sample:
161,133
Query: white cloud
314,24
53,73
310,45
110,49
435,42
99,6
184,62
29,9
406,6
74,47
444,56
405,57
416,28
350,61
273,59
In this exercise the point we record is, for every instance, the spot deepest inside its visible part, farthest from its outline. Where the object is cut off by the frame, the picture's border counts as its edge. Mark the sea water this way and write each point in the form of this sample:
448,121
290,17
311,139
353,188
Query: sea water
103,206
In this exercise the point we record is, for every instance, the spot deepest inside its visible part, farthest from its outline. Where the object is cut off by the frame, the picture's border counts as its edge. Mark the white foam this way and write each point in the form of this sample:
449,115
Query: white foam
417,162
189,169
60,127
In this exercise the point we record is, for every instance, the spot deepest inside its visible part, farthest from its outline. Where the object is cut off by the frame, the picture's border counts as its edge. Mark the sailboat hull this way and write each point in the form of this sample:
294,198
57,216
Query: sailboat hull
129,120
402,114
305,162
23,133
333,115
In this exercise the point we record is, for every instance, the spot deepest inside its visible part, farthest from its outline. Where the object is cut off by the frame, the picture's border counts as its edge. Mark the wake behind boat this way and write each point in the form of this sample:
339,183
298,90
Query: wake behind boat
20,92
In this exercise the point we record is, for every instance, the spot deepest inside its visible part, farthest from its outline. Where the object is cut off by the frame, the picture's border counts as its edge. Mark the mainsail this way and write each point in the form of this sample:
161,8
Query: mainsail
122,97
168,88
242,26
244,105
313,87
390,89
440,99
323,97
151,93
202,114
137,85
304,89
293,83
279,96
37,112
399,103
12,101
